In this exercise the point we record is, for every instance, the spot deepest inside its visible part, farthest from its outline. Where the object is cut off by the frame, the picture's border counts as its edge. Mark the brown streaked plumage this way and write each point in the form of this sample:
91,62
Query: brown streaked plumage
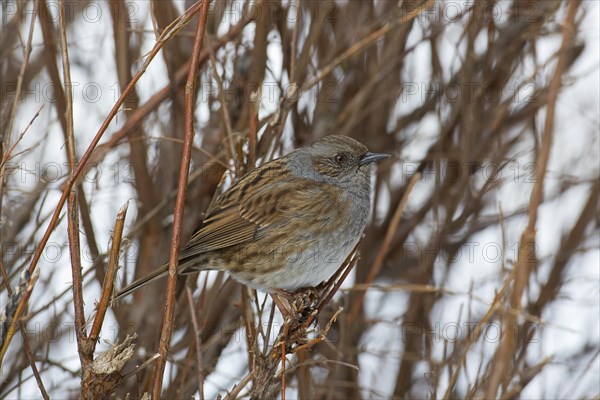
287,224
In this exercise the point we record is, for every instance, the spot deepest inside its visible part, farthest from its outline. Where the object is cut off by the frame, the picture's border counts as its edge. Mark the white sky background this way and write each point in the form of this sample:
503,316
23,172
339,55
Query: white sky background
572,321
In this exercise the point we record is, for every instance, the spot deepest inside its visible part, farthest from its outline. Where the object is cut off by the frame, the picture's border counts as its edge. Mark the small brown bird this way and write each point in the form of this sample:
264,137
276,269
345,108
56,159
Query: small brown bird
288,224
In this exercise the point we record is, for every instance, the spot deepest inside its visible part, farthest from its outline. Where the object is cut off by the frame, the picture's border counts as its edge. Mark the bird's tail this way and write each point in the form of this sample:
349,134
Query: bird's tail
154,275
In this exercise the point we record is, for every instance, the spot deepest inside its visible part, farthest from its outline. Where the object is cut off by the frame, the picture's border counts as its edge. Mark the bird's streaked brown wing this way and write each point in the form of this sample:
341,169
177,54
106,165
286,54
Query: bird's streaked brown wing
223,229
250,216
249,207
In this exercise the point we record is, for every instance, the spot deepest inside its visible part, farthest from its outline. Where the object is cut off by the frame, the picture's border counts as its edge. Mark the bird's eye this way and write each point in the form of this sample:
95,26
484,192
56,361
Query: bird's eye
340,158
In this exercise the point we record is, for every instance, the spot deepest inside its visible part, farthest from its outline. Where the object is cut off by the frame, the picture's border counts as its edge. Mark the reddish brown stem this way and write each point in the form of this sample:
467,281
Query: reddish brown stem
85,353
190,86
109,279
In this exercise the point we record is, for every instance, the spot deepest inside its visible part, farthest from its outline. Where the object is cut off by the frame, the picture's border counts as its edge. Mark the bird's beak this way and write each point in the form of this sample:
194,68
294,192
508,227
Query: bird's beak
372,157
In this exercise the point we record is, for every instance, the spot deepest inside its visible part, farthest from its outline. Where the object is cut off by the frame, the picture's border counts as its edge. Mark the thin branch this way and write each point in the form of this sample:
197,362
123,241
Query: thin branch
224,105
24,64
31,359
242,384
293,73
6,136
109,279
7,155
197,341
168,317
85,355
252,132
27,282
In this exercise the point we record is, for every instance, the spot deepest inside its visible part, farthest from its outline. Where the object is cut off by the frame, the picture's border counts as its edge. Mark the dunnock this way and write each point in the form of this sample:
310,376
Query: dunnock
288,224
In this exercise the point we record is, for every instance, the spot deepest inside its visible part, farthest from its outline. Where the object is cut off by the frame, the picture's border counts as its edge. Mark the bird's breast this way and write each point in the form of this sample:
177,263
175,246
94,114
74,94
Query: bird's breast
317,253
308,246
